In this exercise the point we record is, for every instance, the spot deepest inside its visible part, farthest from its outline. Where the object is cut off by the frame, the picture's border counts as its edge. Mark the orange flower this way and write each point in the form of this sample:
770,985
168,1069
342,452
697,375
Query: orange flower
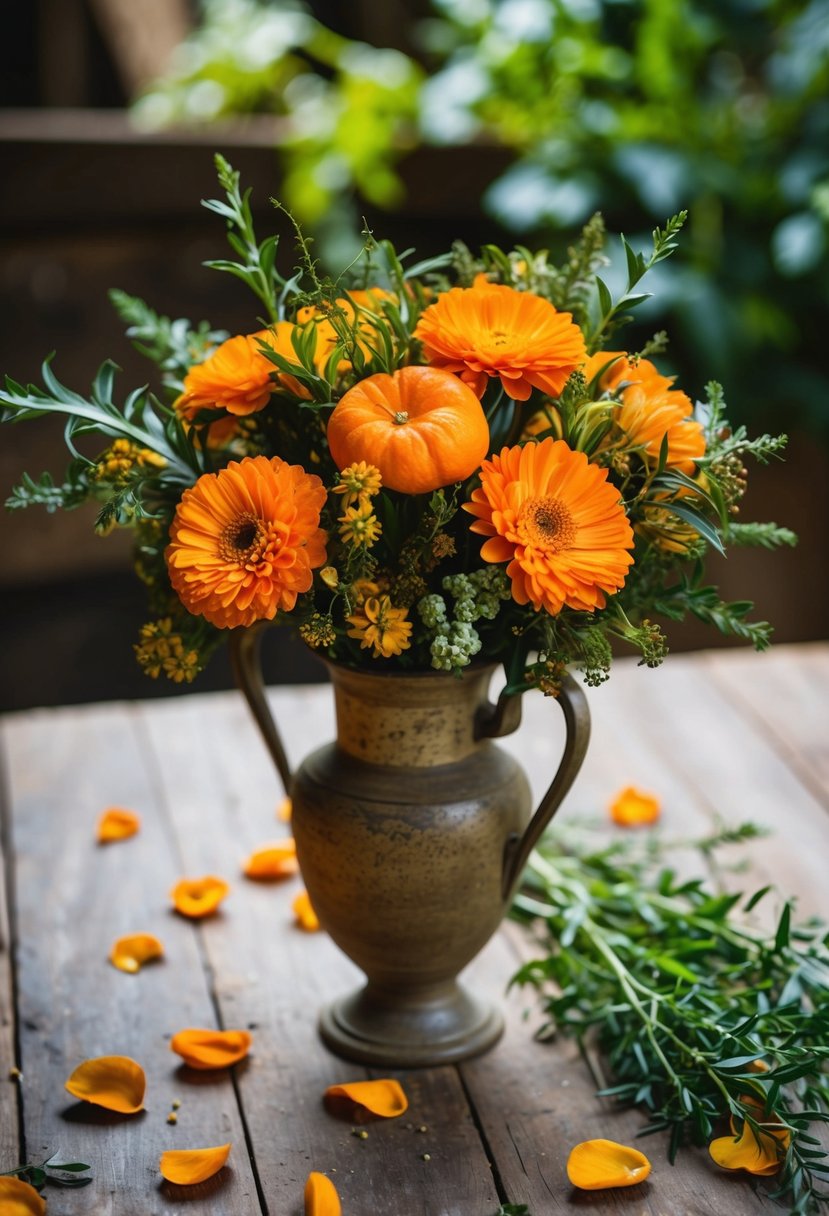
187,1166
245,540
129,953
355,312
198,897
558,522
321,1198
597,1164
284,810
117,824
236,378
760,1152
631,808
276,860
384,1099
650,408
18,1198
114,1082
204,1049
303,910
493,330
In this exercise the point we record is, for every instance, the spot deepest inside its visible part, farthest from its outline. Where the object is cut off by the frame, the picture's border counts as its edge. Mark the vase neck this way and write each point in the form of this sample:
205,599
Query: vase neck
414,721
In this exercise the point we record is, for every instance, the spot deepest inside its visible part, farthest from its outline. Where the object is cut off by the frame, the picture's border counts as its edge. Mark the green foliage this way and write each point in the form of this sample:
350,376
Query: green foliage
682,995
173,346
53,1172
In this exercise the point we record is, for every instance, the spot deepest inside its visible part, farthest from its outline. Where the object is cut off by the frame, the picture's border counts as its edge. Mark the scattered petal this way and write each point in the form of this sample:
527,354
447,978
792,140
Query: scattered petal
114,1082
130,953
594,1165
321,1198
117,824
633,808
272,861
761,1153
186,1166
303,910
17,1198
211,1048
285,810
384,1098
197,897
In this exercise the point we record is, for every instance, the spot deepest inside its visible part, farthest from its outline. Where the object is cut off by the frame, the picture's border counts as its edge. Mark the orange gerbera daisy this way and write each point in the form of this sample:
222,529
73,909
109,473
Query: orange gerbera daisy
493,330
245,540
558,522
236,378
649,408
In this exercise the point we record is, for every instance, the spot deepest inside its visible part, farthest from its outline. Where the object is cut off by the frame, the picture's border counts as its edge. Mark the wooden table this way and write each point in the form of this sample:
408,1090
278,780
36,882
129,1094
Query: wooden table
727,735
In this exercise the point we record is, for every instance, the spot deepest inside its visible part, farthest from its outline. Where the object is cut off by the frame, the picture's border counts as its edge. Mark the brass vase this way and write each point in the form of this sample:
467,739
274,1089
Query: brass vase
412,830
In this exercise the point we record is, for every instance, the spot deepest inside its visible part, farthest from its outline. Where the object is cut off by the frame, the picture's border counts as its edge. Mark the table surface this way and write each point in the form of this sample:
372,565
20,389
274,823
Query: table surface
719,736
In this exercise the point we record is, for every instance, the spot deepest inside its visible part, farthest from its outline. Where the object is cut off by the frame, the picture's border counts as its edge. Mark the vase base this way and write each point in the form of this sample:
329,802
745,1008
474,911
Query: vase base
375,1027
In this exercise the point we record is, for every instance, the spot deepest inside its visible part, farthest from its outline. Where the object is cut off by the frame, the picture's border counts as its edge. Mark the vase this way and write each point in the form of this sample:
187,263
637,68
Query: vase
412,829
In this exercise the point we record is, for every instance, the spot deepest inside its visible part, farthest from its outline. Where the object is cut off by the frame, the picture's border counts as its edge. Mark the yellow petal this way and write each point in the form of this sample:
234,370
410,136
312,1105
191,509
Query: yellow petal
198,897
761,1154
114,1082
272,861
384,1098
117,824
129,953
321,1198
17,1198
633,808
186,1166
285,810
211,1048
597,1164
303,910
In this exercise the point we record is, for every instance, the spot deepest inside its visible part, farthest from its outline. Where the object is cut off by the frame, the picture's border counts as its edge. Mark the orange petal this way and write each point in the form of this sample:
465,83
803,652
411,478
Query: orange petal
757,1154
211,1048
114,1082
196,897
632,808
385,1098
17,1198
321,1198
186,1166
271,861
129,953
285,810
117,824
597,1164
303,910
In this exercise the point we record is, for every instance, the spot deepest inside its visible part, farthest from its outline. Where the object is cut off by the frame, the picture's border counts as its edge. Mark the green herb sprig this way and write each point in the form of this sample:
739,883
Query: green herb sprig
682,997
43,1175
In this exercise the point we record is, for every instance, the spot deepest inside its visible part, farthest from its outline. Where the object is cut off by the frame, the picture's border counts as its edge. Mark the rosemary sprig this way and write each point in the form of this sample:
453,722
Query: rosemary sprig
683,996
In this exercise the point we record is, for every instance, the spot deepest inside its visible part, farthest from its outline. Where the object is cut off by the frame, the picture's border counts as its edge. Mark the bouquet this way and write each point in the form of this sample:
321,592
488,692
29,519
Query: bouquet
417,464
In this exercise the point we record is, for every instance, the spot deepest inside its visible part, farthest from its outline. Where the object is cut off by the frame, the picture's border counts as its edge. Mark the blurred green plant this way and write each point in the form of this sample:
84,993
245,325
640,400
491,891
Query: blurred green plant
636,108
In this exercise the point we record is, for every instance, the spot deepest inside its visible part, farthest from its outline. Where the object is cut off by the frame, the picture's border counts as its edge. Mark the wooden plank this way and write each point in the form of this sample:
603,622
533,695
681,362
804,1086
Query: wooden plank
10,1148
73,899
270,975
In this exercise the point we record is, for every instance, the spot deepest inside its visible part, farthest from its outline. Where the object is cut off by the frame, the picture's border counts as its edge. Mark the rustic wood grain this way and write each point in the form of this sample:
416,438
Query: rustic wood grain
10,1147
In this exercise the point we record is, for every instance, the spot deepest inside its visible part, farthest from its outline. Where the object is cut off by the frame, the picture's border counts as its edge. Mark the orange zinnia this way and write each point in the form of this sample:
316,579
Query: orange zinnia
245,540
558,522
236,378
650,409
493,330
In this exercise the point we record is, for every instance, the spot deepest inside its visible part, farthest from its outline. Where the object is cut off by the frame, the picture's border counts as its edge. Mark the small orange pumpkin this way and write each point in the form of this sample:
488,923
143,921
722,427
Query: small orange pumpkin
421,427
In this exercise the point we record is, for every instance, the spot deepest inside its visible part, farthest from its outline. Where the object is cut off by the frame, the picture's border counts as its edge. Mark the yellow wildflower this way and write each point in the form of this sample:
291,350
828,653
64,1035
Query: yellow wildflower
359,526
330,577
359,482
380,626
319,632
160,649
117,462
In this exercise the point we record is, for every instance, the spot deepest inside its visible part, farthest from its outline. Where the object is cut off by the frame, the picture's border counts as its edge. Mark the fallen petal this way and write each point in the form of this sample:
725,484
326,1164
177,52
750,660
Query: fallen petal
632,808
211,1048
321,1198
596,1164
114,1082
761,1153
272,861
384,1098
130,953
17,1198
117,824
303,910
186,1166
285,810
197,897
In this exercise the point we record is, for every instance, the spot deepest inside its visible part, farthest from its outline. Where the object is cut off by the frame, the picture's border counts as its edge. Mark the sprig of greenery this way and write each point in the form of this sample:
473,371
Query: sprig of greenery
762,535
173,346
682,997
43,1175
613,314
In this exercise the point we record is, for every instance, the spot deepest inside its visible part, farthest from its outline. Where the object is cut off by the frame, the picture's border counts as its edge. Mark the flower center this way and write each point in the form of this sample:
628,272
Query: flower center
242,539
546,523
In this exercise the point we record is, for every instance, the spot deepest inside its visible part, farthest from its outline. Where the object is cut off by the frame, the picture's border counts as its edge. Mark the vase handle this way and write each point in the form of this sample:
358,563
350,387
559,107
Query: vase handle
502,719
245,659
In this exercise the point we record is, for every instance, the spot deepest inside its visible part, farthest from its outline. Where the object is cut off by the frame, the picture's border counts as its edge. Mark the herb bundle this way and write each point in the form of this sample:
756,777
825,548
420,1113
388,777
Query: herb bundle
700,1016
